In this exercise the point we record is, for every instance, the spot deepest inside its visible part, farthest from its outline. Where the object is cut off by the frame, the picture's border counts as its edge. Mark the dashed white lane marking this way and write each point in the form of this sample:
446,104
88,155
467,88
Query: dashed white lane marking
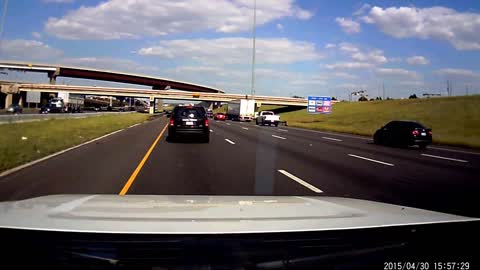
228,124
134,125
332,139
300,181
230,142
211,130
278,137
245,128
282,130
372,160
446,158
453,150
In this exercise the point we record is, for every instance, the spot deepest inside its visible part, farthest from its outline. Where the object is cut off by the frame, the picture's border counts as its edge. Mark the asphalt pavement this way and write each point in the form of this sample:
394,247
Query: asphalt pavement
245,159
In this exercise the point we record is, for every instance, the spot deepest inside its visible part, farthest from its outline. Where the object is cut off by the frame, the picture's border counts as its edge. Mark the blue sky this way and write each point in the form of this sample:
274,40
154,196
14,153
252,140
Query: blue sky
304,47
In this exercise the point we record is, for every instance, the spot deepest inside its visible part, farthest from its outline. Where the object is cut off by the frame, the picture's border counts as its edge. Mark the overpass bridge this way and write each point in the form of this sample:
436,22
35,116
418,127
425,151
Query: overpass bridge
178,90
157,83
15,88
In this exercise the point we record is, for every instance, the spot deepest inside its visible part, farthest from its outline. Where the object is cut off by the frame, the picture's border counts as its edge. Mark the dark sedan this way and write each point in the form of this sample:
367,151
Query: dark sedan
189,122
403,133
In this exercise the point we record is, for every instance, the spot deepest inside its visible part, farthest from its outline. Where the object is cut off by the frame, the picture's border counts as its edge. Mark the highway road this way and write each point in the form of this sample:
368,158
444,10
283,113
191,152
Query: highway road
244,159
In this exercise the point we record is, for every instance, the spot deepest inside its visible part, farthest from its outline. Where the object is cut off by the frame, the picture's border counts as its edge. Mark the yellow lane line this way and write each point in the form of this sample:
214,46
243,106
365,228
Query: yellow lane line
140,165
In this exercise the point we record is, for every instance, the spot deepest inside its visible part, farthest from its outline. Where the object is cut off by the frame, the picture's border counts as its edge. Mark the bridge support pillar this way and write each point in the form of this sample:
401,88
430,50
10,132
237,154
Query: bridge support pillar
8,100
53,80
152,105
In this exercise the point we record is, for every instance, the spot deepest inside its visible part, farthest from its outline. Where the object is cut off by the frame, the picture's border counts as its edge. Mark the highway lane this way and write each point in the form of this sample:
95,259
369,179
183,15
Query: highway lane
413,180
244,159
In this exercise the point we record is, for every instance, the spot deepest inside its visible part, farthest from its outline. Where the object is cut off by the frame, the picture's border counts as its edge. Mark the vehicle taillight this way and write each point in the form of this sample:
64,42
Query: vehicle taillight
172,122
430,132
415,132
206,122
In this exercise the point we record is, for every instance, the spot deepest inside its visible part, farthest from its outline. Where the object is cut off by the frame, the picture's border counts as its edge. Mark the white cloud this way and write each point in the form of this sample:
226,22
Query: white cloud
362,9
120,19
106,63
348,25
330,45
453,72
344,75
280,26
36,35
28,49
374,56
459,28
58,1
349,65
397,73
347,47
234,50
417,60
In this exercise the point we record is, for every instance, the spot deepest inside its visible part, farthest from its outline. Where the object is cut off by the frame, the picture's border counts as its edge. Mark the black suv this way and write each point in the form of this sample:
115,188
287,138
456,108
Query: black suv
188,122
403,133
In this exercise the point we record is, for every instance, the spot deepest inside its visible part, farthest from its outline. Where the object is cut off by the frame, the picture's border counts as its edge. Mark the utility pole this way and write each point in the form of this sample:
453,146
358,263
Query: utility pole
253,52
383,88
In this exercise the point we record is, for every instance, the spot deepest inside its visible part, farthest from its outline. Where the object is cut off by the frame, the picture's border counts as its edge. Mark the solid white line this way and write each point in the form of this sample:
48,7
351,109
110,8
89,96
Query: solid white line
211,130
275,136
216,121
282,130
229,141
300,181
134,125
453,150
245,128
446,158
228,124
7,172
372,160
332,139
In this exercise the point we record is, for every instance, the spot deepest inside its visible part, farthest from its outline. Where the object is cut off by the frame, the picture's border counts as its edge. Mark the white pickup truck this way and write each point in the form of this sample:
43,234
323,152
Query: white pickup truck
267,118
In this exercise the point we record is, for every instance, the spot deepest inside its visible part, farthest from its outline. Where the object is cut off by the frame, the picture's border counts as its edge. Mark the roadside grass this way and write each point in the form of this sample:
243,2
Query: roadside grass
24,142
454,120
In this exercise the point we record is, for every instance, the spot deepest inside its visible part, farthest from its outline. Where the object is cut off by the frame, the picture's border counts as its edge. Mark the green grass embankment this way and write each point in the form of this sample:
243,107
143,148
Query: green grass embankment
454,120
24,142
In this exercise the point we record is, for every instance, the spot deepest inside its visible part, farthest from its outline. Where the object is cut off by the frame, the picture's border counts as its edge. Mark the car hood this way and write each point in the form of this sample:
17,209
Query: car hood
207,214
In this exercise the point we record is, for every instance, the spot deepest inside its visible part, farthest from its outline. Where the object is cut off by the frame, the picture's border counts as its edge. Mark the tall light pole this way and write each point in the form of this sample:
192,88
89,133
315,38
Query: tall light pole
2,22
253,52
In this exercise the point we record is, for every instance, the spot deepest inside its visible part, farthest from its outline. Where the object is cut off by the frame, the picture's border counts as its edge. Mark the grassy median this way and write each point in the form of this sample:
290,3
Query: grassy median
454,120
24,142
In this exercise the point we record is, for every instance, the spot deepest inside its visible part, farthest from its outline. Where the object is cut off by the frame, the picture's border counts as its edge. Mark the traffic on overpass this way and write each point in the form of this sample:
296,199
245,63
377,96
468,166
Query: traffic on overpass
225,134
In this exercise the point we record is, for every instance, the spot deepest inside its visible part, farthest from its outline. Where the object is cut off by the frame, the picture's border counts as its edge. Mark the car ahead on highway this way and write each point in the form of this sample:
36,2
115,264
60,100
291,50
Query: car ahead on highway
14,108
403,133
220,116
189,122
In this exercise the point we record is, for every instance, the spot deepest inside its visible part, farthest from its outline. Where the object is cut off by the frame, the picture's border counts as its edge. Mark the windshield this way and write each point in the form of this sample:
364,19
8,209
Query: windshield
263,102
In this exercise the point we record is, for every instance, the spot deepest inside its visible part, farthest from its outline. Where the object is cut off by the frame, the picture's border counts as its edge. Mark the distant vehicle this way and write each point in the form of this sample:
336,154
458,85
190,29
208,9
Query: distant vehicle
56,105
220,116
189,121
241,110
14,108
44,109
210,113
403,133
267,118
